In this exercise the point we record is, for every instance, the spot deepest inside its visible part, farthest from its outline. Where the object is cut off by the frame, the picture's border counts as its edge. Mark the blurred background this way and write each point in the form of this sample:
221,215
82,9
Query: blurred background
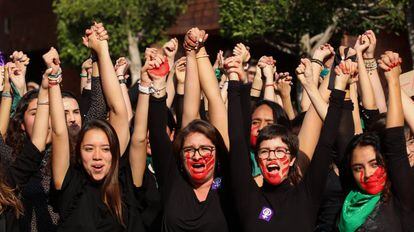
284,29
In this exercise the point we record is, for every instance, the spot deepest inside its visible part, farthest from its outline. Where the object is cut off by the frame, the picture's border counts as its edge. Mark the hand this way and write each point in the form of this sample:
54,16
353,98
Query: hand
242,51
344,71
153,64
87,64
121,66
362,43
180,66
6,87
194,39
267,64
170,48
96,38
370,52
325,53
21,61
284,84
219,60
17,77
390,62
233,65
51,59
305,73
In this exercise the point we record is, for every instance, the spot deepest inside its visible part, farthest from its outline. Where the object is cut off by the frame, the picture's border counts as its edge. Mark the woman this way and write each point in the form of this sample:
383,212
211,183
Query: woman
282,202
97,193
15,174
189,171
377,173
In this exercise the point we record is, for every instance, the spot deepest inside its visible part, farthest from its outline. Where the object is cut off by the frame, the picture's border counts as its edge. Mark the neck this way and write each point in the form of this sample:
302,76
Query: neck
201,190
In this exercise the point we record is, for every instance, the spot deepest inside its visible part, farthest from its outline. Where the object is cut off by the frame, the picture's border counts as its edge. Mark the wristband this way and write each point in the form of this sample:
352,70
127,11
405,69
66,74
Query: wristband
318,62
83,75
268,85
256,89
122,81
217,72
146,90
202,56
324,72
6,94
42,103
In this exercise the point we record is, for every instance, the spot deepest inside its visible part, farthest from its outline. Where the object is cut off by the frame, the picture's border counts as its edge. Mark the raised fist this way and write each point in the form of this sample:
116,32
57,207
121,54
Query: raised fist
51,59
362,43
390,62
325,53
121,66
242,51
370,52
304,73
170,48
234,65
180,66
194,39
96,37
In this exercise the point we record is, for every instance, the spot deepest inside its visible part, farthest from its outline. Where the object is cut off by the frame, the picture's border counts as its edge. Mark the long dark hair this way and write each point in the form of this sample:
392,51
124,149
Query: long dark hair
111,192
15,134
8,197
279,114
208,130
280,131
347,178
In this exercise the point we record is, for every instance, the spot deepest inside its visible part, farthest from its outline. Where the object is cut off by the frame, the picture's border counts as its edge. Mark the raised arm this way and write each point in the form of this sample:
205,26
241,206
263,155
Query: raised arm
368,97
170,50
284,86
121,67
137,150
395,151
267,64
216,109
60,137
96,39
6,103
192,88
97,107
371,66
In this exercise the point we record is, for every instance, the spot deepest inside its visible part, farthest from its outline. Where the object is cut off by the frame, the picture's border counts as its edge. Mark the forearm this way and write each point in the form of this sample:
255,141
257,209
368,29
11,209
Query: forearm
378,90
5,108
170,86
395,118
355,113
127,101
269,89
368,97
192,90
41,122
317,101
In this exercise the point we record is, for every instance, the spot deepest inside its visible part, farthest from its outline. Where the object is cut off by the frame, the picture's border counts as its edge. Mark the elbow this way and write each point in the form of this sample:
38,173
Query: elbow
58,184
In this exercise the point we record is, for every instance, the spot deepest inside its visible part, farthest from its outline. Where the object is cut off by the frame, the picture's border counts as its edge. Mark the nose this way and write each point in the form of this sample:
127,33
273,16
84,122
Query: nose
369,172
262,125
96,155
71,117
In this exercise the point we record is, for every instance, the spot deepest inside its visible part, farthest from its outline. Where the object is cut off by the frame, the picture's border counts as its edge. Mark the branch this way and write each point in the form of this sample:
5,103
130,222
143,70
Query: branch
279,47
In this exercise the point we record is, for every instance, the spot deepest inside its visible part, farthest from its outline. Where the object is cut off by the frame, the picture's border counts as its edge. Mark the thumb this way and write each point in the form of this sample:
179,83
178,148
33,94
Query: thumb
48,71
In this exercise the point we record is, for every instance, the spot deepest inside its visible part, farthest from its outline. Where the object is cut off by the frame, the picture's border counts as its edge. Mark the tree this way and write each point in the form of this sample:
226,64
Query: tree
132,24
299,27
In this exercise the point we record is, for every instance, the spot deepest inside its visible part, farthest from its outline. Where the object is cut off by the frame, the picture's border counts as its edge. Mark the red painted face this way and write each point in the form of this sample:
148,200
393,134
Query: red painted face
274,170
375,183
200,168
198,157
253,135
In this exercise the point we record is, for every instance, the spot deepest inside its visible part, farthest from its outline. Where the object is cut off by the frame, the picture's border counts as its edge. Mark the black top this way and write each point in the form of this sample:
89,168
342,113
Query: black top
397,213
81,207
18,174
182,210
95,102
283,207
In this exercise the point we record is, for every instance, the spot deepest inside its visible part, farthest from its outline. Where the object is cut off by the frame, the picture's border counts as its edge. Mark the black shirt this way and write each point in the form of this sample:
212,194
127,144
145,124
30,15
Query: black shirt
182,210
284,207
81,207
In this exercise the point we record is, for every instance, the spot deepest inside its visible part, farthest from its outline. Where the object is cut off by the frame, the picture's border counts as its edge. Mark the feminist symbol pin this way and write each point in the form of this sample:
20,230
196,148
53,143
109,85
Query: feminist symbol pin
266,214
216,183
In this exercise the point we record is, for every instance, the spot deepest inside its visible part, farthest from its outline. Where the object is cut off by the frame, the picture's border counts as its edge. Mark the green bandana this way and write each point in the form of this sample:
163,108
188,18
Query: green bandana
357,207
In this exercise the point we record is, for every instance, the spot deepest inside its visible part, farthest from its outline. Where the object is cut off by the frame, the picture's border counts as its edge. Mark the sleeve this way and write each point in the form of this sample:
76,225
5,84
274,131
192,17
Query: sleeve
246,110
315,178
25,166
346,132
398,167
368,116
165,164
178,106
202,111
85,101
6,153
97,109
241,181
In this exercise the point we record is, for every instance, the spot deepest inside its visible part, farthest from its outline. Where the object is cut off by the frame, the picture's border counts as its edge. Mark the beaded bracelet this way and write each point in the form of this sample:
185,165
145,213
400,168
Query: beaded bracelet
6,94
318,62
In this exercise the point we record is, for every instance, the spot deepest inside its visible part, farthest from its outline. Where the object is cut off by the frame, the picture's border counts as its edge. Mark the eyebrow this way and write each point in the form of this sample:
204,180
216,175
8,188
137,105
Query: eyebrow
32,109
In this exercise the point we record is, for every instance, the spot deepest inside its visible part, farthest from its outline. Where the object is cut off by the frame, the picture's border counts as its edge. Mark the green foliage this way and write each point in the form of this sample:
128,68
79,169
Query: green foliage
282,23
146,18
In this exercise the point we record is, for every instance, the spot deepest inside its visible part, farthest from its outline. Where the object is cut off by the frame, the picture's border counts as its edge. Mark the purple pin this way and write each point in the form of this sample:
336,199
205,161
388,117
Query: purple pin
2,59
266,214
216,183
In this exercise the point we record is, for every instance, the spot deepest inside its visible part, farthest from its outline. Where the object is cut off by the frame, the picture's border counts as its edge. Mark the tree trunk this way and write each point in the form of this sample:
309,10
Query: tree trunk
409,17
136,64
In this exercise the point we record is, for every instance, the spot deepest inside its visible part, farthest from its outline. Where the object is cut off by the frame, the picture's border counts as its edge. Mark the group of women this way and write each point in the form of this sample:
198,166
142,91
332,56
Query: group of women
208,148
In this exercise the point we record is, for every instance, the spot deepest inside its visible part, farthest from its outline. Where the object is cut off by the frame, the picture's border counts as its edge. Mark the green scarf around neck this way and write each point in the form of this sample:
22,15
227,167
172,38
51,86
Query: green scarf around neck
357,207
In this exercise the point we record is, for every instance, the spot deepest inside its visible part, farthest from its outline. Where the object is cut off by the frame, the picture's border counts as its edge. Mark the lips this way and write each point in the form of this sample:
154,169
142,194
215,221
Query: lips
273,168
97,167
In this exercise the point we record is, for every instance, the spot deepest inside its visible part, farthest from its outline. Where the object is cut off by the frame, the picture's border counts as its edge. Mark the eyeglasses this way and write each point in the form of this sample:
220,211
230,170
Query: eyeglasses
280,152
202,150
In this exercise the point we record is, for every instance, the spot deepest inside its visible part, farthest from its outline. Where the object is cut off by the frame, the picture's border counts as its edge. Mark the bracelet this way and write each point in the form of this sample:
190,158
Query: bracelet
53,77
6,94
54,82
324,72
43,103
256,89
122,81
202,56
83,75
94,58
318,62
145,89
370,64
268,85
120,75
